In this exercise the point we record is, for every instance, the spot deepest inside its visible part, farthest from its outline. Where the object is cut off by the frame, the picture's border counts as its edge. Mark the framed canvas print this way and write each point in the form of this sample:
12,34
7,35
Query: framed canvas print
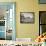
7,20
42,1
27,17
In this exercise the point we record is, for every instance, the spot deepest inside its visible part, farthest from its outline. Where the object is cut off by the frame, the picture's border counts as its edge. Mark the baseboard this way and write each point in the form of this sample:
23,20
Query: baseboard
24,39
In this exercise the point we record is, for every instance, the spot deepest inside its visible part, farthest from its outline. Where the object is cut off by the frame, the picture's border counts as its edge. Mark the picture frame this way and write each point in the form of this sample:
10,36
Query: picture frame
42,1
27,17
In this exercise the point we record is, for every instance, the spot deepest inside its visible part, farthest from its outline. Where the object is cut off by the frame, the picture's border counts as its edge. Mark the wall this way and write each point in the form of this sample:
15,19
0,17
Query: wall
27,30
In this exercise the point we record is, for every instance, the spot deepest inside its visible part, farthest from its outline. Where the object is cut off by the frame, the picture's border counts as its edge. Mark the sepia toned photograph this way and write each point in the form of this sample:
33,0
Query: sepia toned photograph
26,17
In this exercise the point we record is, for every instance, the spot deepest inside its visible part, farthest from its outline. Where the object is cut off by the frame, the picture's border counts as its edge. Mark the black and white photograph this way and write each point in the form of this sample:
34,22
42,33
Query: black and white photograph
26,17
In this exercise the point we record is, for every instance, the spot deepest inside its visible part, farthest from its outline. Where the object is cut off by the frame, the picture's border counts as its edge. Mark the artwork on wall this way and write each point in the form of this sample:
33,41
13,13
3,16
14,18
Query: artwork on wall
42,1
27,17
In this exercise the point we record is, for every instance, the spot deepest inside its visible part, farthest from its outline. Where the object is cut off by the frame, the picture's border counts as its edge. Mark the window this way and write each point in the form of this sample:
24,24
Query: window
42,1
42,22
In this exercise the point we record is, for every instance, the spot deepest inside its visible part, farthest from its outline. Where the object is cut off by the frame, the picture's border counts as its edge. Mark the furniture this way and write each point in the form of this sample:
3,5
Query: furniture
7,21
